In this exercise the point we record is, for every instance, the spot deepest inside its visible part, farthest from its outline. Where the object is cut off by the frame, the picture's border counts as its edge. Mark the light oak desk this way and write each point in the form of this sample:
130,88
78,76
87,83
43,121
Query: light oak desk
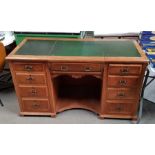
103,76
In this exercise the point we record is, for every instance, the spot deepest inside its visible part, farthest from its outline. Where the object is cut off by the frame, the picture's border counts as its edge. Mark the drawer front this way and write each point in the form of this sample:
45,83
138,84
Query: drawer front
119,108
30,91
123,81
75,67
118,69
27,78
114,94
41,105
29,67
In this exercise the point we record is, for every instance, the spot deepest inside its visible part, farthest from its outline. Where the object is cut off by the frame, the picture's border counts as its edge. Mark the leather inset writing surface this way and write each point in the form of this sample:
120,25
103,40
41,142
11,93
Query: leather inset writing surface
36,47
79,48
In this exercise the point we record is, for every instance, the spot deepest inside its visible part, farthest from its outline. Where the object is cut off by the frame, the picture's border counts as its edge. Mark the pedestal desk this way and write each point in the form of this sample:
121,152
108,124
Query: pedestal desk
103,76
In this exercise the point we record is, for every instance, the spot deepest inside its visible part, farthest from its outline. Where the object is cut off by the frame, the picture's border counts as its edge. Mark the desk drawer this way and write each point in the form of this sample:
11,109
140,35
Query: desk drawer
119,108
124,69
41,105
29,67
30,91
122,93
123,81
75,67
30,78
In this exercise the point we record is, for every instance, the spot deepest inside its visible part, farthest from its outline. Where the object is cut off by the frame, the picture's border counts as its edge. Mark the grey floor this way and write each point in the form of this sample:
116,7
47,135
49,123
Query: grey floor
9,113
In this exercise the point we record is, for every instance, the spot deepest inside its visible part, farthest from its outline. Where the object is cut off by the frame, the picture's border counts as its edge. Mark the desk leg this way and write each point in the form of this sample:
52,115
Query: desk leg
100,116
53,115
142,97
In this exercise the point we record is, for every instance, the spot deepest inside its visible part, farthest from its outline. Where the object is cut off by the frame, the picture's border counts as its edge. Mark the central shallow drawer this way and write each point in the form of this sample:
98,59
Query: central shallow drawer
122,93
27,78
41,105
75,67
30,91
124,69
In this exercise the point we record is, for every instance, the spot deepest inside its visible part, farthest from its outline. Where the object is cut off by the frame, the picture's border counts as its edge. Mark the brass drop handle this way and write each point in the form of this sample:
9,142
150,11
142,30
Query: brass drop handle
35,105
123,82
30,78
64,68
119,108
87,69
124,70
121,94
28,67
34,91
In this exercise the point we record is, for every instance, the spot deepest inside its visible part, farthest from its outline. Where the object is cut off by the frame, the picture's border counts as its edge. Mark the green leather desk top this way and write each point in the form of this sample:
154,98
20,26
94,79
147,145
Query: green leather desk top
79,48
